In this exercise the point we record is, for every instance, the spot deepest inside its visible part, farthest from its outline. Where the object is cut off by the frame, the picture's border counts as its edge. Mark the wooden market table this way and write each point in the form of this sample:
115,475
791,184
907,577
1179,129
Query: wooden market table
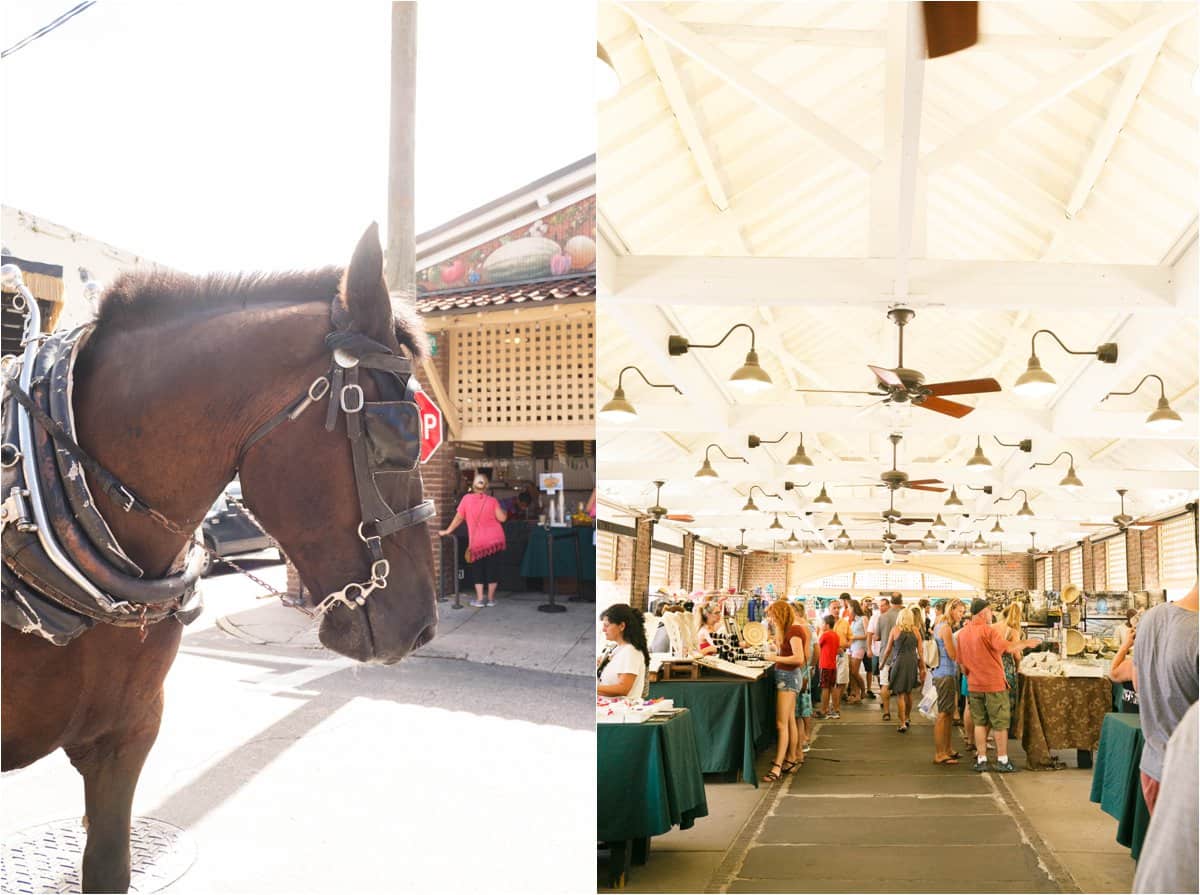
1061,713
1116,778
648,780
734,717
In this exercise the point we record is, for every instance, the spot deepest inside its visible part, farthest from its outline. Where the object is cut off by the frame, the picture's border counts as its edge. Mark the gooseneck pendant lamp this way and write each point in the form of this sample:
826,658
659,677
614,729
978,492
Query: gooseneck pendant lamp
1163,419
750,378
619,410
1070,481
1026,509
706,469
1036,382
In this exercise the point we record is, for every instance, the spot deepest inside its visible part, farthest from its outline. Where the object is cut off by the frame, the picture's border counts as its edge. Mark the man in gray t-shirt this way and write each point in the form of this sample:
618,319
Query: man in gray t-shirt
1167,679
887,621
1168,859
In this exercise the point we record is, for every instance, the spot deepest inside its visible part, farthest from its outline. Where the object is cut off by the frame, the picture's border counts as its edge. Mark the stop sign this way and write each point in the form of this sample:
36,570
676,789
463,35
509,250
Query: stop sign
431,425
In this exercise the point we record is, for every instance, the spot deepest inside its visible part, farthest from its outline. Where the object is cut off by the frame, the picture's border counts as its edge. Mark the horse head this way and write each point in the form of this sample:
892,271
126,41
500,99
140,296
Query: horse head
301,485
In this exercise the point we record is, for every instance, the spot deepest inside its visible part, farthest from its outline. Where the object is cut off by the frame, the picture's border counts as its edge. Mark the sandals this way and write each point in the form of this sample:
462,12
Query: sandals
903,728
789,767
946,759
774,775
887,716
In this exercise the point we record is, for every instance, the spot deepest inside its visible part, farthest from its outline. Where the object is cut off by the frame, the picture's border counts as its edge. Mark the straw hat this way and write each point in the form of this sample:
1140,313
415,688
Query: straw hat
1071,593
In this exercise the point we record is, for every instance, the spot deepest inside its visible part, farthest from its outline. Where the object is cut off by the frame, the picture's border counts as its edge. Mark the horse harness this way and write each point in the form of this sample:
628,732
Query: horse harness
69,572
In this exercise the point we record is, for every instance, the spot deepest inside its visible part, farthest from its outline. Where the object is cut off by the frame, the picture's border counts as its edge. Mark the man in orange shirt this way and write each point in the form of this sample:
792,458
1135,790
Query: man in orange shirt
980,647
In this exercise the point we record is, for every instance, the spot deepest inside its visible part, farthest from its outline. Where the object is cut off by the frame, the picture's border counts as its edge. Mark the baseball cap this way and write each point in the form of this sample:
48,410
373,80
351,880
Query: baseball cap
978,605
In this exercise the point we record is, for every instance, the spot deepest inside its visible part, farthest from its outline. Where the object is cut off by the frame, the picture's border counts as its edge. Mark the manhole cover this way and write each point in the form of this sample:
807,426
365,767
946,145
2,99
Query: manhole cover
47,858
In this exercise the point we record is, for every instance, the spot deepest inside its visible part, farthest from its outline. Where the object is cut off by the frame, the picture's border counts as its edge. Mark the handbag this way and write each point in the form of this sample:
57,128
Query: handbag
929,652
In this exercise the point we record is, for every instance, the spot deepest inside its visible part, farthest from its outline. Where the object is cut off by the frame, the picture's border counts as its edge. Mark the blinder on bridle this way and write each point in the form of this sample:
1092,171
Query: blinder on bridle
385,444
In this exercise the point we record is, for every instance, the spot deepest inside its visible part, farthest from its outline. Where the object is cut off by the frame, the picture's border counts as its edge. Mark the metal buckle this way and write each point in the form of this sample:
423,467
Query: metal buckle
319,388
10,455
353,388
132,500
367,539
344,358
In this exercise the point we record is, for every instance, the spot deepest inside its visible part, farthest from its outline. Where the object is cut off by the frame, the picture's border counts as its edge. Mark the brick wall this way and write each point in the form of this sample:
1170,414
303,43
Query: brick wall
1089,570
639,585
438,478
712,567
624,577
1062,568
1013,571
674,571
1150,567
1133,560
1099,567
763,569
689,556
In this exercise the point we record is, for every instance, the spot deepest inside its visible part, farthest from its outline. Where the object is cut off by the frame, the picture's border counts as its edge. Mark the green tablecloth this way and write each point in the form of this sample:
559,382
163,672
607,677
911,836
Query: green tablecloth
1116,778
648,778
733,719
534,563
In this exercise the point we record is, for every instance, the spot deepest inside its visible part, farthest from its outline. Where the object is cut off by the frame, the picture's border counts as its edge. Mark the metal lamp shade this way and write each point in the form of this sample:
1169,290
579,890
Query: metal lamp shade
1035,381
800,458
938,523
1071,481
750,378
1164,419
618,410
823,497
750,506
776,523
996,529
954,500
706,470
1026,509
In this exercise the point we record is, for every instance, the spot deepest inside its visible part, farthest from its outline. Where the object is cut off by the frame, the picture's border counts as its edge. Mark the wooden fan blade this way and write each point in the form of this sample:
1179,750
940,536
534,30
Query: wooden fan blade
681,517
963,387
886,376
950,408
912,487
926,482
911,520
950,27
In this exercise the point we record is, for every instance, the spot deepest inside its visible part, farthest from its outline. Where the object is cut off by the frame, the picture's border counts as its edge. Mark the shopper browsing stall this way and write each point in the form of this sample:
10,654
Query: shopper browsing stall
483,515
791,654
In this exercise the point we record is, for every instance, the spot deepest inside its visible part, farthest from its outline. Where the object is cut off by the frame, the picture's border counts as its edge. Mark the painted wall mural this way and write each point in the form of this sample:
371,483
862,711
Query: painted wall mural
560,243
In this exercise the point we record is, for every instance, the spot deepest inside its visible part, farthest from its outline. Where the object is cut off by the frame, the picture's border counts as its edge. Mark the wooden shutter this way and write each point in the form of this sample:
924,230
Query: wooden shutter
658,569
606,556
1177,553
1114,557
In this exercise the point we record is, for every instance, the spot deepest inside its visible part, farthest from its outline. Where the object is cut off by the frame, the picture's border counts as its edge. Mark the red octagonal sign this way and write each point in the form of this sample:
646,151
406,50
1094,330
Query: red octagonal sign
431,425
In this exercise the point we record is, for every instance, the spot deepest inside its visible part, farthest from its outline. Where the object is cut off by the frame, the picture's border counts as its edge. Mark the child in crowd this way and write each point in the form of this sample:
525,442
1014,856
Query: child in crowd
829,645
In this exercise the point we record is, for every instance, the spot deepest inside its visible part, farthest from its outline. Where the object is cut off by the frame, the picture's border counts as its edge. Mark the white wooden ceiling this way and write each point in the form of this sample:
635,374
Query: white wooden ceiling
801,167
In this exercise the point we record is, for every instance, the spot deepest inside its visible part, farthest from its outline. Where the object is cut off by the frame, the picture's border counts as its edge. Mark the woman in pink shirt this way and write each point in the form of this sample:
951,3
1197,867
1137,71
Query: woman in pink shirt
485,536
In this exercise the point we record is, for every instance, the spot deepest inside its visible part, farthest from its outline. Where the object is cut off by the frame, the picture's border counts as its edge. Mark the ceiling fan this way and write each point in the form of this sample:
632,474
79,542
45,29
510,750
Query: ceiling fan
898,544
658,511
1033,548
894,479
891,514
1123,520
901,384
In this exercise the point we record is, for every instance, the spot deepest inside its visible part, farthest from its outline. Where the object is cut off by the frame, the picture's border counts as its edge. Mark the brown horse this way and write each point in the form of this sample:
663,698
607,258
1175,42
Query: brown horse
176,377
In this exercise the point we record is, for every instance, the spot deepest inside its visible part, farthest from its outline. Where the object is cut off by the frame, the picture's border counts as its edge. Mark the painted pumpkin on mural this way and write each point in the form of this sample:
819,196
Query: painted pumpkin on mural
560,264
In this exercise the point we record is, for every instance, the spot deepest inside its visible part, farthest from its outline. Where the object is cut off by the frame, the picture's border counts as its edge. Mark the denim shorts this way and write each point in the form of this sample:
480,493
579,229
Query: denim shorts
787,679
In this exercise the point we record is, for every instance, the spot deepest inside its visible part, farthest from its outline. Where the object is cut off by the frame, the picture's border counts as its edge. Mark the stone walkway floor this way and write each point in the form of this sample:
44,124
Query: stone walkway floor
870,812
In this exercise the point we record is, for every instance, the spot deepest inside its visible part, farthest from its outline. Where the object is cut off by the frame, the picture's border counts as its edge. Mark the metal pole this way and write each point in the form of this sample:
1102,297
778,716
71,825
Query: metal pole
400,258
552,606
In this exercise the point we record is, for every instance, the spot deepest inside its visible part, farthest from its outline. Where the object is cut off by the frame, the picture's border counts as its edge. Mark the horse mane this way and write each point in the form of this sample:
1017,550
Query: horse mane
144,297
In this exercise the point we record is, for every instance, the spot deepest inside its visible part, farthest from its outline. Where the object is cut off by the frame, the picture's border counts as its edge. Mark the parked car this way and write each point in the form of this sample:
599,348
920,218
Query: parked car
230,530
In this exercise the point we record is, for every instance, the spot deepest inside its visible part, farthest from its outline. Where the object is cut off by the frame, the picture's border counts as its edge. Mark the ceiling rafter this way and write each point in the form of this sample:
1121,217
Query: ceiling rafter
738,76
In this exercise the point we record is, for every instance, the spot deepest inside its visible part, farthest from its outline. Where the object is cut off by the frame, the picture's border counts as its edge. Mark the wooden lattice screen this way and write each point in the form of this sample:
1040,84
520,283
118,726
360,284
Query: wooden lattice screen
535,378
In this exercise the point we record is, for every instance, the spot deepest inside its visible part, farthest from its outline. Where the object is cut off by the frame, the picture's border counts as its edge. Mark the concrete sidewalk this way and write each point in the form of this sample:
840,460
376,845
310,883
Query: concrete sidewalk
513,633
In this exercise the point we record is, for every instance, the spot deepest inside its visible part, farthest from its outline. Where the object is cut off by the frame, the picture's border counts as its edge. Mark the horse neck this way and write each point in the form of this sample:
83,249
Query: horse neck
167,408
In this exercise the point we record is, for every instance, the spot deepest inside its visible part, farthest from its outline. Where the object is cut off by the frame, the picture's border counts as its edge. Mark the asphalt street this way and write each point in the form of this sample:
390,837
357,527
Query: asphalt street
295,770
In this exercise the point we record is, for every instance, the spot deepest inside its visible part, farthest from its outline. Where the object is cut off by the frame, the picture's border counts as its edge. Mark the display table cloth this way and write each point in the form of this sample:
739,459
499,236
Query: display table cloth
648,780
1116,779
1060,713
534,564
733,719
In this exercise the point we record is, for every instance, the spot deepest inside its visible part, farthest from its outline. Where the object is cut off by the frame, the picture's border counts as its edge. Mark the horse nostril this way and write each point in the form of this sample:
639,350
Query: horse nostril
425,636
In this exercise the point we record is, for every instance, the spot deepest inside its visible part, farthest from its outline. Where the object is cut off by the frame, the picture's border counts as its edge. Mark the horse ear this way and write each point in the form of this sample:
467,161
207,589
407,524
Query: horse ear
362,303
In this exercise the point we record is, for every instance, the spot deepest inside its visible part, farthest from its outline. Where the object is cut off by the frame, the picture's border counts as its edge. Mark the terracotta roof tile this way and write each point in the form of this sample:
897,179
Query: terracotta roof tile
476,297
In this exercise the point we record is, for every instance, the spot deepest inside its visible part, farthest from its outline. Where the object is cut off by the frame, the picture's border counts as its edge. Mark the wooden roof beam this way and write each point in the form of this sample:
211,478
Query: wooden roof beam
741,79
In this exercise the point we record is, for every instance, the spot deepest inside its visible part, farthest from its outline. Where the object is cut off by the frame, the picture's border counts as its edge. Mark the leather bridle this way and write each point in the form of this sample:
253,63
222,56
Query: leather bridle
369,442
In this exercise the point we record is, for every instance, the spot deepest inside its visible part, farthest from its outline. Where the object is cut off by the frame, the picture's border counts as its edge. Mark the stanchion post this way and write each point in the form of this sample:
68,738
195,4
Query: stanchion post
453,550
552,606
